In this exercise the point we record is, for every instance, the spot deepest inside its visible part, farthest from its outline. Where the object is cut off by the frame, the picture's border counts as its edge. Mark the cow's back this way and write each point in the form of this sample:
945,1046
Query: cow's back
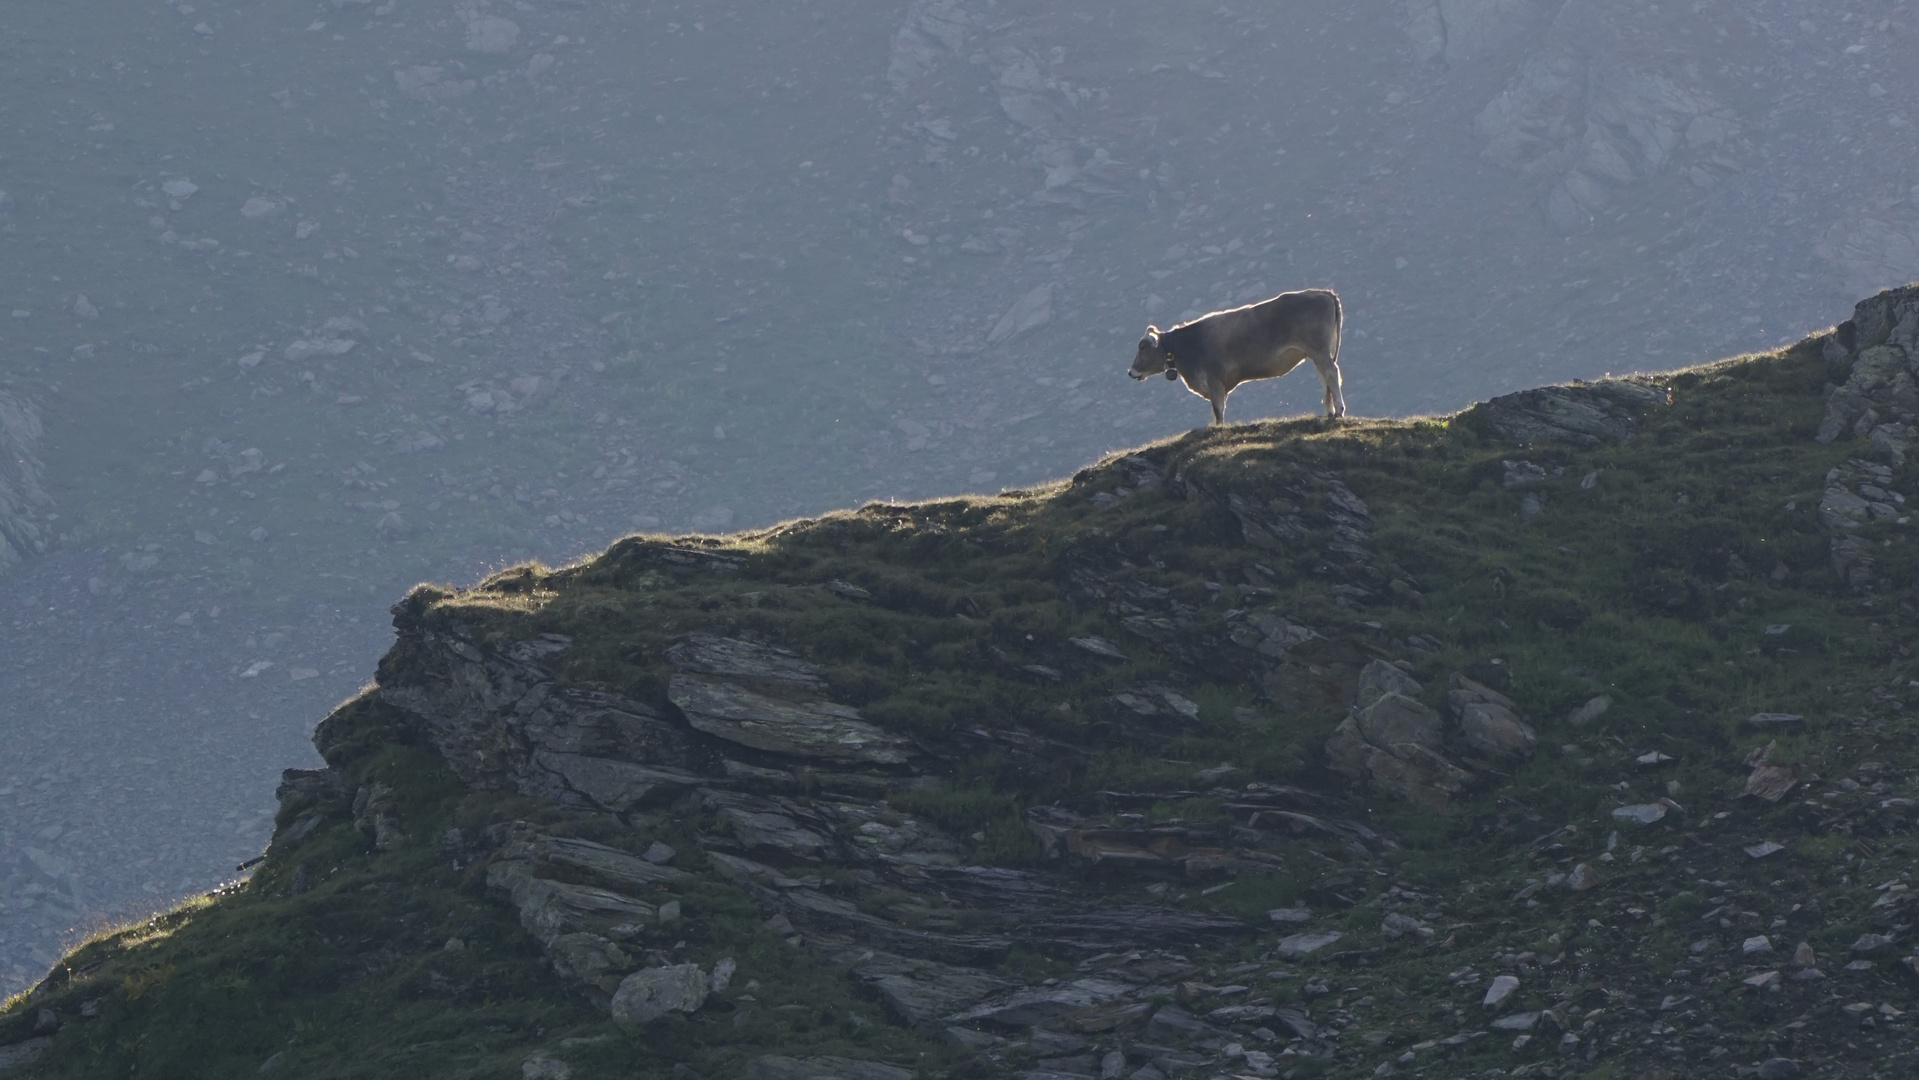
1225,341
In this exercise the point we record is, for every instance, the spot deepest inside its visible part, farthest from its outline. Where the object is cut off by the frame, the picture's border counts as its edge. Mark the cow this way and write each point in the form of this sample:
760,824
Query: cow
1215,353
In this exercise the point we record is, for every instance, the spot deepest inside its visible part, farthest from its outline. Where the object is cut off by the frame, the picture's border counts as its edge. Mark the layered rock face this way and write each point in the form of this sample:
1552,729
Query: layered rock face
788,786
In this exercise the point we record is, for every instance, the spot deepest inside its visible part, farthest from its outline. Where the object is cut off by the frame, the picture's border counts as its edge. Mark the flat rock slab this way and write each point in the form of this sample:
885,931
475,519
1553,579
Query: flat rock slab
1103,929
775,831
776,1067
810,729
607,866
1299,946
1502,988
615,785
1025,1008
1099,646
550,908
1640,813
1525,1021
921,992
709,654
1771,782
1296,1022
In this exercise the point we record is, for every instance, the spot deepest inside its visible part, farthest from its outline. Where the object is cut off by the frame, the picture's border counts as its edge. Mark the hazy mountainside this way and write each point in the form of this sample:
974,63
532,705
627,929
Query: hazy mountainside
487,278
1562,737
306,300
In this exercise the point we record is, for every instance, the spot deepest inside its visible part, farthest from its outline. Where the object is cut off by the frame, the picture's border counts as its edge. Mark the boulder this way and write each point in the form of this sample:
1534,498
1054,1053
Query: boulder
1640,813
1493,730
1299,946
1409,770
1396,925
1502,988
1771,782
1584,415
1395,720
587,958
1175,1024
1590,711
1871,945
651,993
1379,678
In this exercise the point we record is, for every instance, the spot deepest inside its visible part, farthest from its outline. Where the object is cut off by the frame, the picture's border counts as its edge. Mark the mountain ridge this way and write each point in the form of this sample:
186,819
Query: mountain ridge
1558,737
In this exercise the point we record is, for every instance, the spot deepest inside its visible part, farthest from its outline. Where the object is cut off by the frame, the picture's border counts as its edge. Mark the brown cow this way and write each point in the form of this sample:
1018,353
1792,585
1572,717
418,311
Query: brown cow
1215,353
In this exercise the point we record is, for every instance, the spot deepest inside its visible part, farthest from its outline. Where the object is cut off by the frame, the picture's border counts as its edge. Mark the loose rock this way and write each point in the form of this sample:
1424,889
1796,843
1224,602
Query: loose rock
1502,988
1298,946
1590,711
649,994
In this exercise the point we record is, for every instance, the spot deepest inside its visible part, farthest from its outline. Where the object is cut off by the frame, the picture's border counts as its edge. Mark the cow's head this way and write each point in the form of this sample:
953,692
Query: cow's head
1151,358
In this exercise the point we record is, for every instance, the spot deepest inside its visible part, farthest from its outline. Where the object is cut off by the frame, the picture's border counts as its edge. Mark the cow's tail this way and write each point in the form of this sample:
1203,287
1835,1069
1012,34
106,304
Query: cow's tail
1335,394
1339,326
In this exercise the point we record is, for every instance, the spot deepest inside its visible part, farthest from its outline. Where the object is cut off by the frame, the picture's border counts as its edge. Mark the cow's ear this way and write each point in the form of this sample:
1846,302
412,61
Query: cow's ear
1151,340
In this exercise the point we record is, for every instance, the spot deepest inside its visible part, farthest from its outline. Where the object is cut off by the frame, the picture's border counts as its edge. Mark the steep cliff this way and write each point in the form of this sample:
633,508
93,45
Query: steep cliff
1565,737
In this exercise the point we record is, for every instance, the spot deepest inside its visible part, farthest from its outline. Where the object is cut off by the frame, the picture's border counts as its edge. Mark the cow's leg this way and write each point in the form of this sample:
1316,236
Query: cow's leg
1210,388
1329,381
1215,395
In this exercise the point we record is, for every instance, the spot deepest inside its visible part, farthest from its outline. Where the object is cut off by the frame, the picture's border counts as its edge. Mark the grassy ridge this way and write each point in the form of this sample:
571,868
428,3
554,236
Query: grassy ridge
1661,583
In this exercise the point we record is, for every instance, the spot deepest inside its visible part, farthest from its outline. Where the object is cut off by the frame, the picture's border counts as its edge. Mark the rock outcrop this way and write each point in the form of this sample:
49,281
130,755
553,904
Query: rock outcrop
1876,409
1402,745
1579,414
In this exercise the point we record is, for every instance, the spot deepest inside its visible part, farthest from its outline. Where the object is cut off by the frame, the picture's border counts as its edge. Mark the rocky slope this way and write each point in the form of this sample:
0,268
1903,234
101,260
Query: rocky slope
318,299
1564,737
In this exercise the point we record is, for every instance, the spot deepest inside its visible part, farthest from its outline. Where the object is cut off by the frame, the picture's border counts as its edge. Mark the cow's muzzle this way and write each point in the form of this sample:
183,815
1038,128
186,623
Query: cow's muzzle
1135,376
